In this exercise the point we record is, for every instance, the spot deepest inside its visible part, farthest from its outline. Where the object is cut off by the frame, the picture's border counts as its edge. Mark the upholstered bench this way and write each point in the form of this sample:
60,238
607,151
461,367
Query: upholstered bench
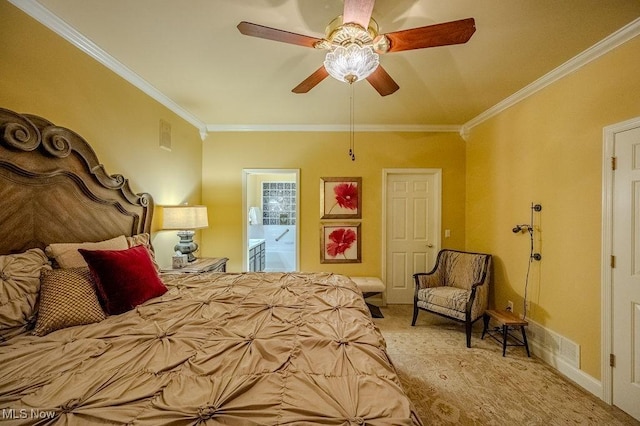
370,286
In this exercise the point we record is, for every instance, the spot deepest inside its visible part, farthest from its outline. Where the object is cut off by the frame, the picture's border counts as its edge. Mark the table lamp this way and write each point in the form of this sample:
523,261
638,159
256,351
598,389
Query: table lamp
185,219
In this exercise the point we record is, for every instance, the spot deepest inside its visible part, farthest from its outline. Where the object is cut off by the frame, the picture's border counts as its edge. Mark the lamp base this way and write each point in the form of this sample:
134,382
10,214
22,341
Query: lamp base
186,245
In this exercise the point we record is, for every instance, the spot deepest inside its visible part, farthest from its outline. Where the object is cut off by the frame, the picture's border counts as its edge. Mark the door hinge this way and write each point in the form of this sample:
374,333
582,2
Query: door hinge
614,163
613,261
612,360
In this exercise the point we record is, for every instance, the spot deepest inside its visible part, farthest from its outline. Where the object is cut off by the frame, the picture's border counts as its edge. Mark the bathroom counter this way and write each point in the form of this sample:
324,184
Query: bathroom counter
253,242
257,254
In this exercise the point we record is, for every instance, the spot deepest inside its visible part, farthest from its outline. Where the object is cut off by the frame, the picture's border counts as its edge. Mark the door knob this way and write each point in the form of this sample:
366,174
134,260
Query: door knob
430,245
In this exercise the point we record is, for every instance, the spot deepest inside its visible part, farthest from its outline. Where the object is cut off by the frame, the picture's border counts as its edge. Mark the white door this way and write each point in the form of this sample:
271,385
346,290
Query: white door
412,228
626,274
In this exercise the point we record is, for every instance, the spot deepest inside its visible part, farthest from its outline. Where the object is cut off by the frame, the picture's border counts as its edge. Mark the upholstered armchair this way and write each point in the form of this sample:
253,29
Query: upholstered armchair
457,287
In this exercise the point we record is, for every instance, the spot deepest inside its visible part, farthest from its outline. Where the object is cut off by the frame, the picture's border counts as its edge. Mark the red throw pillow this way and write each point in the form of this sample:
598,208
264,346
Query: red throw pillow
124,278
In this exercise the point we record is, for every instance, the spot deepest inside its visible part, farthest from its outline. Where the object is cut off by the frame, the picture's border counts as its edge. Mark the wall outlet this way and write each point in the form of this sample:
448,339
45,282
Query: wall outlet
510,306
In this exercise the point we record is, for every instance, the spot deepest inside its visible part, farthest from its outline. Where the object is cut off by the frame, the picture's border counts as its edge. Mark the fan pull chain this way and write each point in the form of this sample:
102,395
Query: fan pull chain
352,138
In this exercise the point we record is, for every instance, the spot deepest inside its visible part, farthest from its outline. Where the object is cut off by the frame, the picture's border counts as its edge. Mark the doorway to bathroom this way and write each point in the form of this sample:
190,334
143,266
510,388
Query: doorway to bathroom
270,216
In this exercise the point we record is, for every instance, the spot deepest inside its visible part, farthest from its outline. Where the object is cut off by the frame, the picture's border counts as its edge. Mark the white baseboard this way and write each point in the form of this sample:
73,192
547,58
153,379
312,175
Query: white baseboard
578,376
562,354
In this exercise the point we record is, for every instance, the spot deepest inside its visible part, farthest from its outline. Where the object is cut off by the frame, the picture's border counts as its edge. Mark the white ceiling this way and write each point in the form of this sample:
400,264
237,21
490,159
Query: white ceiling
192,52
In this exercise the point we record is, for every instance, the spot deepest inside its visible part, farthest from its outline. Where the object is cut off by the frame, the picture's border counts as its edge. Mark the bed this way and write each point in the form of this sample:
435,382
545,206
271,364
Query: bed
213,348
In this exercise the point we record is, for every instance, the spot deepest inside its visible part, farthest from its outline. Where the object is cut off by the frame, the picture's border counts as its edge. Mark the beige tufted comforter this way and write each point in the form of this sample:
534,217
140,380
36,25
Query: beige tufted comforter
231,349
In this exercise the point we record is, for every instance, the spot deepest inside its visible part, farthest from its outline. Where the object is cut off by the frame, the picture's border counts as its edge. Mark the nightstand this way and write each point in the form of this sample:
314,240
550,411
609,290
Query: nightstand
201,264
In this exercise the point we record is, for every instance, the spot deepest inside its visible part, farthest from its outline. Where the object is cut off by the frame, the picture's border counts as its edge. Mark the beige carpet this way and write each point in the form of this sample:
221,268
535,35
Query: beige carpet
450,384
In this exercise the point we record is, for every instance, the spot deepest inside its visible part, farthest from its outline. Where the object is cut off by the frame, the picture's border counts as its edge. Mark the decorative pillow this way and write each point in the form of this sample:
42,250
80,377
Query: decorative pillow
19,287
124,278
144,240
67,298
67,256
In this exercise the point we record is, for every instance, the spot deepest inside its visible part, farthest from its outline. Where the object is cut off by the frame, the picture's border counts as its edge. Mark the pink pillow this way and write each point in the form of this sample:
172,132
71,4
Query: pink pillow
124,278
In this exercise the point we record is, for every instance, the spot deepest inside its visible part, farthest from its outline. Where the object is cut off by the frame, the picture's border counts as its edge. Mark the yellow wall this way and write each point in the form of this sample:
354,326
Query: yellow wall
324,155
42,74
547,149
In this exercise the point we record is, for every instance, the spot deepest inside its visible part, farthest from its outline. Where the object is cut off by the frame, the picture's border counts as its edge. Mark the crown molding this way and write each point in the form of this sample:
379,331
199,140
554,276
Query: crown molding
43,15
604,46
60,27
333,128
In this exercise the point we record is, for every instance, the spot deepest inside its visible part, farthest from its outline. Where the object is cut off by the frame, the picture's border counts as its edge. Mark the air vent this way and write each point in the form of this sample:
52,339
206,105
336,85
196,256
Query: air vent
554,343
165,135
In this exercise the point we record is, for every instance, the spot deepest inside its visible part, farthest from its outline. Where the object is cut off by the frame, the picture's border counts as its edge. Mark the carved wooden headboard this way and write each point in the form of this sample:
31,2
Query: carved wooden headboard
53,189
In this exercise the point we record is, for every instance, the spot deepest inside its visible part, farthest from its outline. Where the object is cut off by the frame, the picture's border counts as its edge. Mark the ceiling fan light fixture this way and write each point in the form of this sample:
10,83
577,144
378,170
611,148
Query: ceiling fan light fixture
351,63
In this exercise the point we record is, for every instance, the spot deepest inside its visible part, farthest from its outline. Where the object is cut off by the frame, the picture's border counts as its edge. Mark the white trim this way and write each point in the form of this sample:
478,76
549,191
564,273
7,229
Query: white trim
560,364
437,175
60,27
608,135
561,354
605,267
604,46
333,128
43,15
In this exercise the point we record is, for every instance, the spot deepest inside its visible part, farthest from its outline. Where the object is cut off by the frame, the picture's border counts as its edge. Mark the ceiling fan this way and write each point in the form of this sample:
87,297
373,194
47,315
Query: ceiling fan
353,43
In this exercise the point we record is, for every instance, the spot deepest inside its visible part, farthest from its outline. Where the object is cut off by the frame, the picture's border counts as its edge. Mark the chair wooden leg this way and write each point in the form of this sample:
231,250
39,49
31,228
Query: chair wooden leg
468,325
505,330
485,319
415,313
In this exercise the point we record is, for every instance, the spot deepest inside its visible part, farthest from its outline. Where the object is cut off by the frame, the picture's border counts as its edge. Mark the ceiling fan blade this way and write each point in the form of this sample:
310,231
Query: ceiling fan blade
312,81
382,82
260,31
358,11
454,32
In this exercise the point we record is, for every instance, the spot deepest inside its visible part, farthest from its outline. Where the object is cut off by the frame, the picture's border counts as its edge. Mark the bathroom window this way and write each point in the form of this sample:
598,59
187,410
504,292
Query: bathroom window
278,203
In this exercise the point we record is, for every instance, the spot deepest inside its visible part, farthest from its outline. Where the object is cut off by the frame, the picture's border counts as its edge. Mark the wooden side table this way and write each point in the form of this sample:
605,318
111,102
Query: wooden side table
200,265
507,320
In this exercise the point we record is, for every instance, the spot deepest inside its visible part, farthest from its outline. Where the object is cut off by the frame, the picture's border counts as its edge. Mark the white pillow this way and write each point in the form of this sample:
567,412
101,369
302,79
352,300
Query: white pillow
67,255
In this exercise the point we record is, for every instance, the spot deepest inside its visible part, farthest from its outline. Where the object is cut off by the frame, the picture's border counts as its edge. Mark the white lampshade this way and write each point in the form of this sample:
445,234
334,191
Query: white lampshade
351,63
184,217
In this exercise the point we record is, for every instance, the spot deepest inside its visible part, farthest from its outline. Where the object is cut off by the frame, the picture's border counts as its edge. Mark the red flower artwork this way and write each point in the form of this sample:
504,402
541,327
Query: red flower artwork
341,240
346,196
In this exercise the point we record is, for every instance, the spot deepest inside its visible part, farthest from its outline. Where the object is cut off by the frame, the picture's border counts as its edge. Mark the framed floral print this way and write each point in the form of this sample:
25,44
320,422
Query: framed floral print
340,243
340,197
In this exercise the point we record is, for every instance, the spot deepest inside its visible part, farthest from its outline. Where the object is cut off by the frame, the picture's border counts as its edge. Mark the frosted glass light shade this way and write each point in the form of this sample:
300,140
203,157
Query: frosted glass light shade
184,217
352,63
